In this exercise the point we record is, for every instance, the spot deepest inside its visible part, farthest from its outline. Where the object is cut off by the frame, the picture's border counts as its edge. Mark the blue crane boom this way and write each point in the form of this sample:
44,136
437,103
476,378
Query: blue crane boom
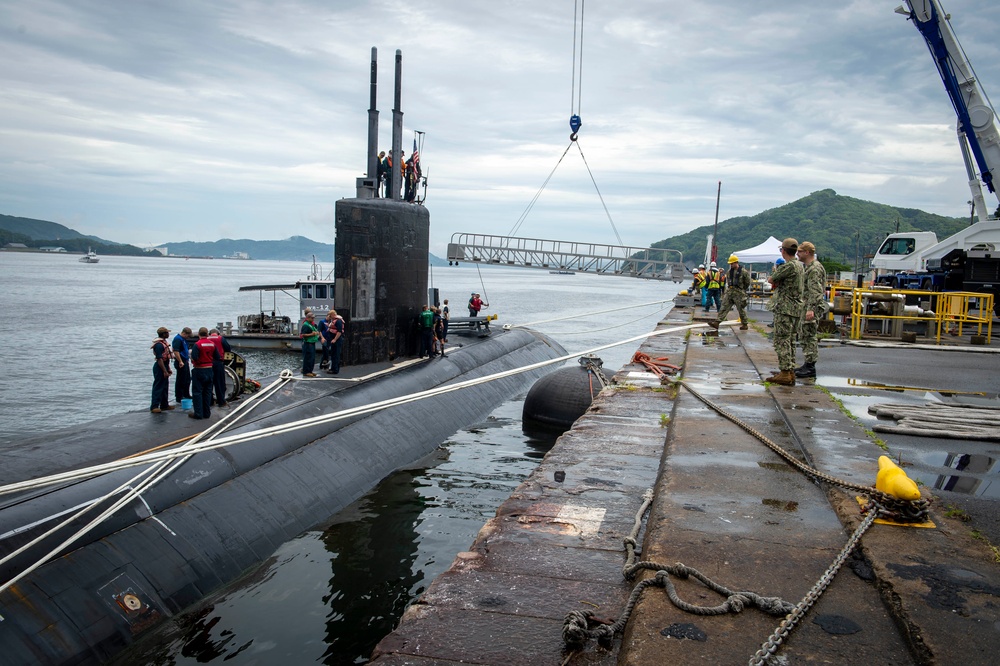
978,130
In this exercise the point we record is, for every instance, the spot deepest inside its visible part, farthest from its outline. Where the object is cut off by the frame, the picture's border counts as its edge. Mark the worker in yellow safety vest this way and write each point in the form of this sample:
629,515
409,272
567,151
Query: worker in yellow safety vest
715,281
699,288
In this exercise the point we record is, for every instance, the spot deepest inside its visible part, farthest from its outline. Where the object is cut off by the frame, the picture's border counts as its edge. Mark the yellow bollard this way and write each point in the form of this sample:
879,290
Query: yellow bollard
892,479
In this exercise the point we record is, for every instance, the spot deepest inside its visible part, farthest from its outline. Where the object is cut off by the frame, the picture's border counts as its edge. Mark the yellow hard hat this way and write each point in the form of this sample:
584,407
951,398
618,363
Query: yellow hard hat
733,259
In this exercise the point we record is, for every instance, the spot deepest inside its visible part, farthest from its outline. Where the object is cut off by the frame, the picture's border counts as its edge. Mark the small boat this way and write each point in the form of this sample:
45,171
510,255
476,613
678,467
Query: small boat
266,328
89,258
562,272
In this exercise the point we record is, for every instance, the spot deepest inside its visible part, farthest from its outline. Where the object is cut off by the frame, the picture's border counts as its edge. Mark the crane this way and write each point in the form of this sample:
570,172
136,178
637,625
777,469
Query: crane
978,129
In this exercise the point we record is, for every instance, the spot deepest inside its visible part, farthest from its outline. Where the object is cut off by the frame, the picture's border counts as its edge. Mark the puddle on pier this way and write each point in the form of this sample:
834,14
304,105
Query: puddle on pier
958,483
976,481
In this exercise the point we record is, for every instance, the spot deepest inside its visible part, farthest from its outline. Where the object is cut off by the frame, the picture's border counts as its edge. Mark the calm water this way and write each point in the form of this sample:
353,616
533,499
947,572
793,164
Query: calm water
75,342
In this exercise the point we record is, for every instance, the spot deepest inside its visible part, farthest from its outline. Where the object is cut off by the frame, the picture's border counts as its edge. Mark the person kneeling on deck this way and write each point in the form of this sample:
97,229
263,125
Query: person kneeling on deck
814,300
738,283
203,353
309,334
786,280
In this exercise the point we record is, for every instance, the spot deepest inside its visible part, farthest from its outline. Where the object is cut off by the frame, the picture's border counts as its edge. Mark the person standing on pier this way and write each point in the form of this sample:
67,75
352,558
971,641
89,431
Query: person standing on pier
737,285
700,284
814,303
161,371
786,280
714,284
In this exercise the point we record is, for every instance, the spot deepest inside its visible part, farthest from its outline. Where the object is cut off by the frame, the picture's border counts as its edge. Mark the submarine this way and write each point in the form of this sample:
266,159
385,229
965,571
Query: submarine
111,527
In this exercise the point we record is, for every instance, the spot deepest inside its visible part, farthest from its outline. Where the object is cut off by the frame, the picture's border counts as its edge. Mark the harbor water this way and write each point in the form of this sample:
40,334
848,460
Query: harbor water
76,346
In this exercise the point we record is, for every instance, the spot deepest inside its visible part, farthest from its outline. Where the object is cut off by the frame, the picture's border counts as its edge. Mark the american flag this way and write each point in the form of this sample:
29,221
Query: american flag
415,156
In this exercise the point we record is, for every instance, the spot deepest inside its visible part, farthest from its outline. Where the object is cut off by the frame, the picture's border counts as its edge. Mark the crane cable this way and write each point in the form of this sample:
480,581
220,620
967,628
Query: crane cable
576,86
575,107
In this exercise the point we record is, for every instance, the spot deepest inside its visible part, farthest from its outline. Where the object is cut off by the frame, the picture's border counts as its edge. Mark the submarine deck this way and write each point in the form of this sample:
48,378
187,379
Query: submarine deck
137,431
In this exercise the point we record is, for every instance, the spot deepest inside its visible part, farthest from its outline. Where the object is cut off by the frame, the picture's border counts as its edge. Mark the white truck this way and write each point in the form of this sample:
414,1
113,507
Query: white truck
968,260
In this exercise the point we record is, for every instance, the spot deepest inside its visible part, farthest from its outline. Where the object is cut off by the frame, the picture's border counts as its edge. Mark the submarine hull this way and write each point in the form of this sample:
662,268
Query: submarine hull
226,511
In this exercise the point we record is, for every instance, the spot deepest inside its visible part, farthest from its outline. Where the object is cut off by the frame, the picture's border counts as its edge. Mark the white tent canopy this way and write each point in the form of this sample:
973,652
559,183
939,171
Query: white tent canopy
767,252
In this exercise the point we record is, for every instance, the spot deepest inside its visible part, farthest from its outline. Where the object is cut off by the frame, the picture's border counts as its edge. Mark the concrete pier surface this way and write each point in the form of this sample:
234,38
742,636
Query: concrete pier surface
729,507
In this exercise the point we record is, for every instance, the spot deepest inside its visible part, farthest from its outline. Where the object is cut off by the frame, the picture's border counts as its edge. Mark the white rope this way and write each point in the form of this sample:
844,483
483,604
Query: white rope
137,486
532,324
610,328
158,456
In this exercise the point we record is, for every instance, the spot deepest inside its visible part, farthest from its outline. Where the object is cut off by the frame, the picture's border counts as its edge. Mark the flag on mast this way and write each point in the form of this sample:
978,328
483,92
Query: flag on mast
415,156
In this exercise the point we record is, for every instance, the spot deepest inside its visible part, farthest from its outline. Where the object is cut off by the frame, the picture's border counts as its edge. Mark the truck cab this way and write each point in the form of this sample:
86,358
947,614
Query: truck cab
902,252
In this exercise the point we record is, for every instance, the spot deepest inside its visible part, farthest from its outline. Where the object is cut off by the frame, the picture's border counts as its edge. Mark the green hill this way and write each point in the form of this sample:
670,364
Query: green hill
840,227
296,248
42,229
40,233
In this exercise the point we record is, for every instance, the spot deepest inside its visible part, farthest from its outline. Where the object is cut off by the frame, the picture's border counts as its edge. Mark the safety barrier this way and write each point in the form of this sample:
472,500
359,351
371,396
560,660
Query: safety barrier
948,311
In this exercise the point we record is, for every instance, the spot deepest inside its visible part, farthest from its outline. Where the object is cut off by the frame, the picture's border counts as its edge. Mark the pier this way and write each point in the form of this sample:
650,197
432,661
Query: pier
724,504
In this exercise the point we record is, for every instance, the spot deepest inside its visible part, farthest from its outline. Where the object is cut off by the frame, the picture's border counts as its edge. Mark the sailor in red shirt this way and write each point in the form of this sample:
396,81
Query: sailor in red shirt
203,352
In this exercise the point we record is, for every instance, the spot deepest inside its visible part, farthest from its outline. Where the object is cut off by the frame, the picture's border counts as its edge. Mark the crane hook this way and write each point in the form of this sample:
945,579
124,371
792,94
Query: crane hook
574,124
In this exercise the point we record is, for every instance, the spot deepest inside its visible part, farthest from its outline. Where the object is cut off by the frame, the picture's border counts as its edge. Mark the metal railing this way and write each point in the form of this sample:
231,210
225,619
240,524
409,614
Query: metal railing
642,262
951,311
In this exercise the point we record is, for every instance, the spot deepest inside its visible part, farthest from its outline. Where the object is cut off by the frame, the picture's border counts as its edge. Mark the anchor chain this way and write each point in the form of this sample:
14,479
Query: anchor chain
577,624
771,645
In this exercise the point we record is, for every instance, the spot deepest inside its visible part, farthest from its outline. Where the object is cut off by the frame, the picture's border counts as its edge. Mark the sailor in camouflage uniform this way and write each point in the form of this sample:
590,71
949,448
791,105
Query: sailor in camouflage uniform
737,286
814,304
786,280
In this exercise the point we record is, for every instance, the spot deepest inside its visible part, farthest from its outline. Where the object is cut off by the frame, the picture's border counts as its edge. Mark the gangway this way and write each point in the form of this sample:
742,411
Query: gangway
641,262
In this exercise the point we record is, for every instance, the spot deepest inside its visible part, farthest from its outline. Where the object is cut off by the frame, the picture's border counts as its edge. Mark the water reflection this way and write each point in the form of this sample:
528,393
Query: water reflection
963,483
329,596
373,577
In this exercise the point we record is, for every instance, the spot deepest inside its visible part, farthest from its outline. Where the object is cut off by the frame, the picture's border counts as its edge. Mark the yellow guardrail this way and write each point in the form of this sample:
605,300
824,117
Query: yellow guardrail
952,310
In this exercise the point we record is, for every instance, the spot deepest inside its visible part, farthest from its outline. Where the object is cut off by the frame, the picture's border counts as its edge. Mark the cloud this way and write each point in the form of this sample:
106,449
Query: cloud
151,122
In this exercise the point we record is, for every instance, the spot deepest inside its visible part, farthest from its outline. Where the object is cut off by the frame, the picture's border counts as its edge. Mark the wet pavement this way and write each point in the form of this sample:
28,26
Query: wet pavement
728,506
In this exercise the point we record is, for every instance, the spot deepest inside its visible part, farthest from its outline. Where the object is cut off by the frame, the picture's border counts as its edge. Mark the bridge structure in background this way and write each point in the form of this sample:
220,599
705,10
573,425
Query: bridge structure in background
557,256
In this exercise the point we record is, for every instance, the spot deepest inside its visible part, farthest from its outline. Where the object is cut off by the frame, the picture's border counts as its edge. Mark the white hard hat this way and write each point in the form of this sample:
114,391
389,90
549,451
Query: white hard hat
701,265
713,265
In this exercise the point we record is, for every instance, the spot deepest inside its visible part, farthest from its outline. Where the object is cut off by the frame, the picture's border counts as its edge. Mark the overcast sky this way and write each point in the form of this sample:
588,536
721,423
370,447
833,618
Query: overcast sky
145,121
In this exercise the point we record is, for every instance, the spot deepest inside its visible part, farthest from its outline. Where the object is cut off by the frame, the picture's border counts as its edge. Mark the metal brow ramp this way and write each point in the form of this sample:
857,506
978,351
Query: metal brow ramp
641,262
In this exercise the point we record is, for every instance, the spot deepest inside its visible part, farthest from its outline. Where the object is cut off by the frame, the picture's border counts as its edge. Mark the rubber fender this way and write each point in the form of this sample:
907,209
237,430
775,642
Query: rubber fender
561,397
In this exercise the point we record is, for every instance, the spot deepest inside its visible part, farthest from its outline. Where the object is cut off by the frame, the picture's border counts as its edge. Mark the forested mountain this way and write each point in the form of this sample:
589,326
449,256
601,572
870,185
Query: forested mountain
41,233
840,227
296,248
42,229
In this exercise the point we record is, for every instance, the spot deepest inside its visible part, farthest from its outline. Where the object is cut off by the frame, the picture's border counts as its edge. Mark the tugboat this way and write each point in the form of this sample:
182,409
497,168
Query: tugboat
89,258
269,330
